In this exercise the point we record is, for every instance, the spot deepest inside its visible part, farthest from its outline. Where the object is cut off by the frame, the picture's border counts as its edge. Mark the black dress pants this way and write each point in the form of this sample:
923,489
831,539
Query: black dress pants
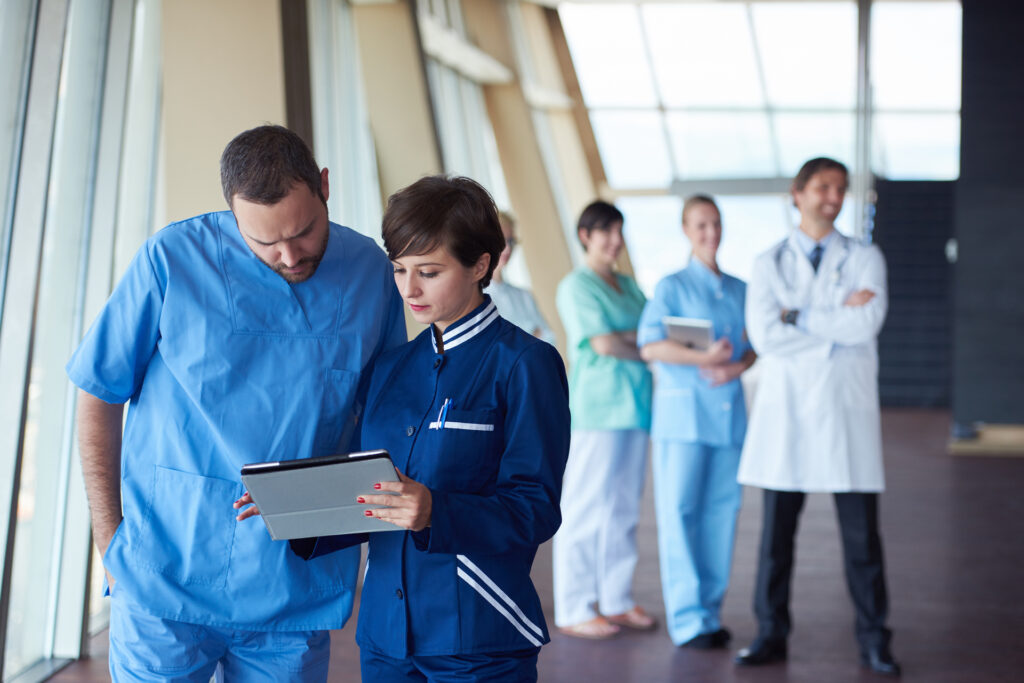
862,555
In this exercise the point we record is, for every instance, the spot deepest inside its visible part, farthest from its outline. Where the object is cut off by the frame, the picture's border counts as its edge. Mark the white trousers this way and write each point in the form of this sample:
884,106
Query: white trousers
594,551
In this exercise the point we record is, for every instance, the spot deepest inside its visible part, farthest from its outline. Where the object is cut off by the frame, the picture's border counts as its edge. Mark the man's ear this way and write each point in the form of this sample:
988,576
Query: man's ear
325,188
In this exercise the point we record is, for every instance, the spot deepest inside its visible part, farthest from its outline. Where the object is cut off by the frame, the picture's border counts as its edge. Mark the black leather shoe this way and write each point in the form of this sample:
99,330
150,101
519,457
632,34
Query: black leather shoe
721,637
762,651
880,660
712,640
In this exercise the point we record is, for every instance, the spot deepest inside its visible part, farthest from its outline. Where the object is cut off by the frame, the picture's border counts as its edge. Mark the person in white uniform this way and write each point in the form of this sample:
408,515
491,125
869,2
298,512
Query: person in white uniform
515,304
815,305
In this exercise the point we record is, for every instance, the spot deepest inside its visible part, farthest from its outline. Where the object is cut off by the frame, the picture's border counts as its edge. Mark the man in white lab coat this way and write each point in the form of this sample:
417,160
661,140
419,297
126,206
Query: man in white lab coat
815,304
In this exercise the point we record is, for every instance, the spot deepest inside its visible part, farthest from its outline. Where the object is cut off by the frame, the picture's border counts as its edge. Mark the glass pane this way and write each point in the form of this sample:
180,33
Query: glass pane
657,246
451,125
633,148
809,52
608,53
654,236
917,146
703,55
46,453
805,136
915,55
750,225
722,145
15,25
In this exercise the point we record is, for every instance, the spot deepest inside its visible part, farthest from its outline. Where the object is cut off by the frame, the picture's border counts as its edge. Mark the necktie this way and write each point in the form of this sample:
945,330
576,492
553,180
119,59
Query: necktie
816,256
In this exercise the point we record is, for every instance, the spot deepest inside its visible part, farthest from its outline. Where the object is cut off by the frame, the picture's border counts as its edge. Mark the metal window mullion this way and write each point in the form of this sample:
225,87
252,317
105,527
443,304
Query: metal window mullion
99,14
861,184
659,96
769,110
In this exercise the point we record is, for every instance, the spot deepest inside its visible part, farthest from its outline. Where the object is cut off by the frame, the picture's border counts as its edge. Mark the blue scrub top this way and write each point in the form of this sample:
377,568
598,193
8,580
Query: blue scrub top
493,462
686,406
225,363
605,392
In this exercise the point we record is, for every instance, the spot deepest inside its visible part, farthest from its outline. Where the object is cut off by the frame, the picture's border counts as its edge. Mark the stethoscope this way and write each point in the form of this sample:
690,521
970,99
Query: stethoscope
786,249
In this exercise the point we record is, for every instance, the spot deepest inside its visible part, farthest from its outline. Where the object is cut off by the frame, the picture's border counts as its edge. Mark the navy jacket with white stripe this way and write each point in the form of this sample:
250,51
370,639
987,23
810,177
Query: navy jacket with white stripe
493,461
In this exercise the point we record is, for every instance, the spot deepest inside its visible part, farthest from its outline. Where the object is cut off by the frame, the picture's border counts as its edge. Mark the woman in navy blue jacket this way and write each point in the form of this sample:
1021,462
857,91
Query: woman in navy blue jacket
475,414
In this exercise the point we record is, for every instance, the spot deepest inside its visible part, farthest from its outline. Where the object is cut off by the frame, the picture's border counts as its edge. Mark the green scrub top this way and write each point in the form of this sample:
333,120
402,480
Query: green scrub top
604,392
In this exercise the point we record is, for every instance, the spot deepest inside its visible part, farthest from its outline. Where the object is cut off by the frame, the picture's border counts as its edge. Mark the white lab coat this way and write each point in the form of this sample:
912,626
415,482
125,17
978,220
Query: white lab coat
814,423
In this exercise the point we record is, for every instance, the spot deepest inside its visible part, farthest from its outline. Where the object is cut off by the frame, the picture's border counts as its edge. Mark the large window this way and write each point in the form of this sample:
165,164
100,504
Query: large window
468,146
73,156
731,98
341,128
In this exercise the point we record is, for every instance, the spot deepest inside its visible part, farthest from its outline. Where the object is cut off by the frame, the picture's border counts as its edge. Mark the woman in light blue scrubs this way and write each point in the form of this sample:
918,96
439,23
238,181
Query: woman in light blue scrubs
594,551
697,430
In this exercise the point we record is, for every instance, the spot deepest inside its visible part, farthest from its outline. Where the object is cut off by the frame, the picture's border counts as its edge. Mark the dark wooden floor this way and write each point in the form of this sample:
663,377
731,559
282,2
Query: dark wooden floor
953,529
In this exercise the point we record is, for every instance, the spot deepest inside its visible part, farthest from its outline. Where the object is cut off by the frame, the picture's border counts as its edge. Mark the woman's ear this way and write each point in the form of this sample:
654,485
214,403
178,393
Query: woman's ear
584,237
481,266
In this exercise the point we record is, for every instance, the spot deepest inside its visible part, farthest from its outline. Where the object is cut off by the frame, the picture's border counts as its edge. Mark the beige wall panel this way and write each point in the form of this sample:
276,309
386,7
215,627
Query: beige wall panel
222,74
397,101
543,57
547,255
397,95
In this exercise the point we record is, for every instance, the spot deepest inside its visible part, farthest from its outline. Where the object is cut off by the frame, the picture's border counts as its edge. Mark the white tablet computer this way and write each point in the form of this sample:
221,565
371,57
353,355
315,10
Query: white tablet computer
317,496
695,333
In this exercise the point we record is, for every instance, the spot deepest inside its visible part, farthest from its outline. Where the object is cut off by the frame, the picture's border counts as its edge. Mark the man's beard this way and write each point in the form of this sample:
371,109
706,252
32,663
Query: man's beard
312,260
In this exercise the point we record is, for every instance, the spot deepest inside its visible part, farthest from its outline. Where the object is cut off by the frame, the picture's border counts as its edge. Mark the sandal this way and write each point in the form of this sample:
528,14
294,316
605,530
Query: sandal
597,628
635,618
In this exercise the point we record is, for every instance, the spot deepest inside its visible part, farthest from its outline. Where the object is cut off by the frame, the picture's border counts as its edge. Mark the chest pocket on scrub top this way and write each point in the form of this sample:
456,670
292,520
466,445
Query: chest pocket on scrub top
468,449
338,413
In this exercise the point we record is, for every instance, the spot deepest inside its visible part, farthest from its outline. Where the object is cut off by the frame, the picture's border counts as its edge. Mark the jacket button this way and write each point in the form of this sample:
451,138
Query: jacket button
437,361
398,593
410,430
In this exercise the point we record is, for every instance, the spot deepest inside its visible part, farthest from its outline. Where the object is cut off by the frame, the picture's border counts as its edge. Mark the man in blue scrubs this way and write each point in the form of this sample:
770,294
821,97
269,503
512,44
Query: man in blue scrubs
237,336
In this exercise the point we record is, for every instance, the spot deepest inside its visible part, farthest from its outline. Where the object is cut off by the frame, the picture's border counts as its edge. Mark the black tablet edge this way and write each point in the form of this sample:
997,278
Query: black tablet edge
318,461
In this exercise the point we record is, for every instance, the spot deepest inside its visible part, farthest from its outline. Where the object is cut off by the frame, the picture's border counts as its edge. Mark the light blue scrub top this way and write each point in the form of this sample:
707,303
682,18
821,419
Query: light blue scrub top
605,392
225,363
686,406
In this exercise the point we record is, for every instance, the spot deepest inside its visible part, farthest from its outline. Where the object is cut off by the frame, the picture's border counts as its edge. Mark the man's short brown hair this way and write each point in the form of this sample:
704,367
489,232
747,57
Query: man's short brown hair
817,165
263,164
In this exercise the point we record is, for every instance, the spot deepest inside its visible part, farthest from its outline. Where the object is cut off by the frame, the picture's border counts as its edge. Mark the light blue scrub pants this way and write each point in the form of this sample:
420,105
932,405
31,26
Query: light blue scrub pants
148,648
697,501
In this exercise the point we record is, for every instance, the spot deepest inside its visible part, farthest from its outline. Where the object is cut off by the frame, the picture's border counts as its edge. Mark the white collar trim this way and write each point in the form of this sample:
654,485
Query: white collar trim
454,336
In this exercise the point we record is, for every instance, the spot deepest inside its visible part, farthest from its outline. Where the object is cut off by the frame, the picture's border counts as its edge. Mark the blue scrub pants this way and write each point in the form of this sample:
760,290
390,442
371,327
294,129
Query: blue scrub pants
508,667
148,648
697,501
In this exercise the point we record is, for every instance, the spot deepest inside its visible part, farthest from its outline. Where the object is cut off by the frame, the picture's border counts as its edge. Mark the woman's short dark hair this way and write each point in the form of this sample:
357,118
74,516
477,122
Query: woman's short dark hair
263,164
598,215
456,213
816,165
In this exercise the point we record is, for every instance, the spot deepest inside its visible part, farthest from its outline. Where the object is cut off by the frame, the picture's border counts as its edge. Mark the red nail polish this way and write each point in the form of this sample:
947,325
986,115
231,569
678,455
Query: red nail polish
376,486
360,500
368,513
